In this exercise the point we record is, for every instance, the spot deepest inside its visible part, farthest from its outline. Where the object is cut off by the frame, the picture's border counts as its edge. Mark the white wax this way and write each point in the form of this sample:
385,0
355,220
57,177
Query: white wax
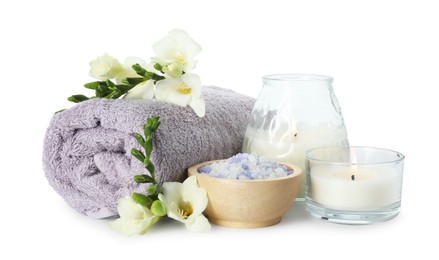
373,187
285,146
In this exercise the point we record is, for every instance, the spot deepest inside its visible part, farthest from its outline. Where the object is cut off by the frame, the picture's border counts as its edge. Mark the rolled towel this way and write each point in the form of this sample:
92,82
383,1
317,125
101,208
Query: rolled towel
87,157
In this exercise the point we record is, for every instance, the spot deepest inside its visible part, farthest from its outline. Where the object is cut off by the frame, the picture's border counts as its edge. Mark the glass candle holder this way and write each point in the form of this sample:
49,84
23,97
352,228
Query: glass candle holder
353,185
294,113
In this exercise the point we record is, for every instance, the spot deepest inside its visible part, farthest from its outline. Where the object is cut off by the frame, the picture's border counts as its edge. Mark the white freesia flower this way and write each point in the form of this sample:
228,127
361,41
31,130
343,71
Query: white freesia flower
143,90
186,202
134,218
176,50
182,91
105,67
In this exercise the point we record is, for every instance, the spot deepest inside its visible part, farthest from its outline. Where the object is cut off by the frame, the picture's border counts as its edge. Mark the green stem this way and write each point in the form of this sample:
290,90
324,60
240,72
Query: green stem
150,127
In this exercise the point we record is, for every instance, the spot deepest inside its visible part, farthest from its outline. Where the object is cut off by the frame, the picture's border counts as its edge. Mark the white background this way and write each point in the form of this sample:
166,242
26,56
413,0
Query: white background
383,55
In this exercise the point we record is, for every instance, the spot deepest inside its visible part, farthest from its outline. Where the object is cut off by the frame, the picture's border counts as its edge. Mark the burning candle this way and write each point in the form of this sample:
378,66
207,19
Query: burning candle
294,113
337,183
368,188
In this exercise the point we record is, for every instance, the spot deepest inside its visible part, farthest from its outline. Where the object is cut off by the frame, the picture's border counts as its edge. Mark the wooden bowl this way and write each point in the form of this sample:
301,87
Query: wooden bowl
248,203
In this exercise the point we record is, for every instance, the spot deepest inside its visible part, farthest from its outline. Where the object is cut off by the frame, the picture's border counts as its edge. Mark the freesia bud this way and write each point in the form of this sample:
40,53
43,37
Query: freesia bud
158,208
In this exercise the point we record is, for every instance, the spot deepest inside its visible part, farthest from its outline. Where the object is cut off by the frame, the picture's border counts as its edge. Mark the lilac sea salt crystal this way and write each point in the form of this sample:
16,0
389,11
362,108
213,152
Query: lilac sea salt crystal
205,169
246,167
237,158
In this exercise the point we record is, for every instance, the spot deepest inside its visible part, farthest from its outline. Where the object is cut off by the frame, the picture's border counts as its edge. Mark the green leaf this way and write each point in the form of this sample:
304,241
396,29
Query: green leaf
138,154
143,178
114,95
124,88
77,98
151,169
158,208
139,139
92,85
152,188
134,81
148,146
141,199
59,111
156,77
102,90
155,122
111,85
149,75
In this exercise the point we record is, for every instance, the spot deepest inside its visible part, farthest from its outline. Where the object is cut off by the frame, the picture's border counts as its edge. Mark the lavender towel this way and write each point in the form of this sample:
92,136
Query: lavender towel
87,158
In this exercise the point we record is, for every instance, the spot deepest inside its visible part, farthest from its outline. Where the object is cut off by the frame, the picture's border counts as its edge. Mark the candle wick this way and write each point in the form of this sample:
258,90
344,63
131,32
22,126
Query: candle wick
353,177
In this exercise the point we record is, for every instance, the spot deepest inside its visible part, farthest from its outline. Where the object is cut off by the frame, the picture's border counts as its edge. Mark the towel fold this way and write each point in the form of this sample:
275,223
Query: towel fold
87,159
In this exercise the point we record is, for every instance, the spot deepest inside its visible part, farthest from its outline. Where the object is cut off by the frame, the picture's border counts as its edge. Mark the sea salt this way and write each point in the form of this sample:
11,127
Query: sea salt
245,166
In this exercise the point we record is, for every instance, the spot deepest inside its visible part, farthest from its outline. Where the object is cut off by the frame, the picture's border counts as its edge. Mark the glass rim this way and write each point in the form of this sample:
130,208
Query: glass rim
308,155
284,77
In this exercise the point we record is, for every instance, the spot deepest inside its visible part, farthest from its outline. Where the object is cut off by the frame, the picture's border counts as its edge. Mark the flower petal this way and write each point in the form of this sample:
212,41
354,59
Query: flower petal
189,66
167,90
186,43
143,90
179,47
130,227
185,202
120,225
134,218
190,182
130,61
173,210
165,47
105,67
178,33
172,191
194,82
198,105
195,195
127,208
198,224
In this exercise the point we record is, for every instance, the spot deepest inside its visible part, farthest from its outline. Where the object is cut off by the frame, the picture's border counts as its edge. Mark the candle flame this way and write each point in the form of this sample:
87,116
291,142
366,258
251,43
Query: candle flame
354,168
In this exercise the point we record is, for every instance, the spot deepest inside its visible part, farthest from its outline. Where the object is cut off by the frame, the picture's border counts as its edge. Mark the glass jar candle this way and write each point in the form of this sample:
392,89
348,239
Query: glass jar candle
294,113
